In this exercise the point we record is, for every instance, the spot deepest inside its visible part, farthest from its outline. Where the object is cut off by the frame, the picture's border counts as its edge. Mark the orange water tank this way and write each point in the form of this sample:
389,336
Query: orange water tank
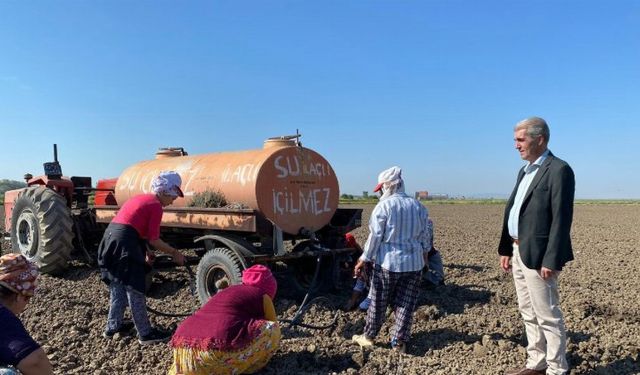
292,186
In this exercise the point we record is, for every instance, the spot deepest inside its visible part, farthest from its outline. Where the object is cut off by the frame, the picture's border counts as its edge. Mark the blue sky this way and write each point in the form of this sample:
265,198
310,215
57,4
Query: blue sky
432,86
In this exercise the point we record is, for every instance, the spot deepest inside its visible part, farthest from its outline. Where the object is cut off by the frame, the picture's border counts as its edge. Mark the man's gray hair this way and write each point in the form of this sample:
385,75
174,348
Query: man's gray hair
535,126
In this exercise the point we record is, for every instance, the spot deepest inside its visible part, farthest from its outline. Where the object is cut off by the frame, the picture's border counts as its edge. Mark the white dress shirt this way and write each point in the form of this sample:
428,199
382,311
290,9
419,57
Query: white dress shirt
530,171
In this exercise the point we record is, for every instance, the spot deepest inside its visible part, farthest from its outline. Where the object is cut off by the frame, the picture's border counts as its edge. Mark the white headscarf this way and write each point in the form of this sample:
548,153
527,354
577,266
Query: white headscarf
168,183
390,181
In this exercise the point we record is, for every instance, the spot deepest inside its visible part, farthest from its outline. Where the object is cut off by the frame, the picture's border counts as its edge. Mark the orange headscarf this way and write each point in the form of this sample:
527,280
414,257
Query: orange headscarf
18,274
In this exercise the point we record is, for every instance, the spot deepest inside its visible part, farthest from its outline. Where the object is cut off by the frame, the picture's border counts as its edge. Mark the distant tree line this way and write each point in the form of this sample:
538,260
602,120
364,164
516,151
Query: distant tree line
365,196
9,185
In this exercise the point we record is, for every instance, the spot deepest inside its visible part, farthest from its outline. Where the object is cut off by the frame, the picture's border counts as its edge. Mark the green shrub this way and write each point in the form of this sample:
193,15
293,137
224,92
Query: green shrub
208,199
6,185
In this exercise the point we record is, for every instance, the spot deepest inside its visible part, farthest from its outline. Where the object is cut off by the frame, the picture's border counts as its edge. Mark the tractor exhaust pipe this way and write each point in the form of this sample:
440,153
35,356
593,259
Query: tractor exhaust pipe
53,169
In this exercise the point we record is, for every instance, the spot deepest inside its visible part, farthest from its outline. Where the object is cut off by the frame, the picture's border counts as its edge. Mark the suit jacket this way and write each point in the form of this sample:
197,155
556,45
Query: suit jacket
545,217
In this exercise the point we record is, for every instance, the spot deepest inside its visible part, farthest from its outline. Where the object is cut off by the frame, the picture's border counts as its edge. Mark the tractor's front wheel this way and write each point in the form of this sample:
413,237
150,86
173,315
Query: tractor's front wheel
218,269
42,228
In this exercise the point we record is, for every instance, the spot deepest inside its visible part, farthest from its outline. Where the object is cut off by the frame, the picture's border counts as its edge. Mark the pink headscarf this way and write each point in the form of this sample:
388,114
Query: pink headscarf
261,277
18,274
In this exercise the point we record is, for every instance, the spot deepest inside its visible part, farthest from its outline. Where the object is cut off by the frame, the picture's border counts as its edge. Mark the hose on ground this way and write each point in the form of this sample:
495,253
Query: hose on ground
192,289
297,317
306,305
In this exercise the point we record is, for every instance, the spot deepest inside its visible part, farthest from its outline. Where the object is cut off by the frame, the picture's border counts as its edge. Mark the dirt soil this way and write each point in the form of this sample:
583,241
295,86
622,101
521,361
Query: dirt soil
469,326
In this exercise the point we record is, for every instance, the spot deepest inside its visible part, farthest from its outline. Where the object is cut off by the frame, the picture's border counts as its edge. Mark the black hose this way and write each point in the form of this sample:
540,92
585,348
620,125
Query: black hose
296,321
297,317
170,315
192,289
304,307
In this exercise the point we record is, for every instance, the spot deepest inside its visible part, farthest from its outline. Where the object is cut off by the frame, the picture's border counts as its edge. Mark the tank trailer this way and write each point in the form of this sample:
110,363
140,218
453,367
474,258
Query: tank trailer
283,212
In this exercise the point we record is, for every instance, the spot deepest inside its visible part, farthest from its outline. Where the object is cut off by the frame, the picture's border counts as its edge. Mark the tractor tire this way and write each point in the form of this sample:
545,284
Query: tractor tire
42,229
218,268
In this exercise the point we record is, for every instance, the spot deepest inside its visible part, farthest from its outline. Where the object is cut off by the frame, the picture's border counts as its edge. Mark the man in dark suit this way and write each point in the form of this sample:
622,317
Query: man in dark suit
536,244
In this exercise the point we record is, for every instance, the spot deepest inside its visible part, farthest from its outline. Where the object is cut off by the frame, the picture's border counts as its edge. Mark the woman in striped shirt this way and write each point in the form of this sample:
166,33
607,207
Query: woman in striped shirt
398,243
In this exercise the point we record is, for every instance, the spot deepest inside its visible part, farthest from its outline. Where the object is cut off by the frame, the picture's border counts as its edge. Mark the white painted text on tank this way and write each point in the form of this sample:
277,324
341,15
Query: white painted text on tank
315,201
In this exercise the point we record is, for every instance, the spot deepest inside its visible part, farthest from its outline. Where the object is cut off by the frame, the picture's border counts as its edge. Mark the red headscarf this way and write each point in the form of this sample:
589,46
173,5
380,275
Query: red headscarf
18,274
350,240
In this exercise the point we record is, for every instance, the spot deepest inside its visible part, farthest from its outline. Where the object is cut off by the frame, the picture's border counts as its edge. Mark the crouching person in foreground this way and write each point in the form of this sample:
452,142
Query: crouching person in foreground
235,332
18,351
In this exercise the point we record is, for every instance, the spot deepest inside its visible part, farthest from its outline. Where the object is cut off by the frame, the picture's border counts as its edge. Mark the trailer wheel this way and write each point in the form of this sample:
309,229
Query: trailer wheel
42,228
218,268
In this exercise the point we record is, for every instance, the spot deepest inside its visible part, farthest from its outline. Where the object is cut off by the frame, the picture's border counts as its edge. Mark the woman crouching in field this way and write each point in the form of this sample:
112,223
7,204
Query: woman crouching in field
235,332
18,351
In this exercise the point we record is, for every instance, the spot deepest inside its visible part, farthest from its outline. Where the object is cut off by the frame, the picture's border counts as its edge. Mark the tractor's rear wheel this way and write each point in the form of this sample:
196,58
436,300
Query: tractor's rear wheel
218,269
42,228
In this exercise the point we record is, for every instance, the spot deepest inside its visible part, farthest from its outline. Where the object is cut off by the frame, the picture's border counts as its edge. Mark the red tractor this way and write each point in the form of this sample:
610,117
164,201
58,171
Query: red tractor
39,218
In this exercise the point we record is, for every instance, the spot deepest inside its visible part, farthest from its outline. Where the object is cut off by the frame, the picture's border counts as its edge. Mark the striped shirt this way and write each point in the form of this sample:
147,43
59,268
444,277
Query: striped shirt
398,234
